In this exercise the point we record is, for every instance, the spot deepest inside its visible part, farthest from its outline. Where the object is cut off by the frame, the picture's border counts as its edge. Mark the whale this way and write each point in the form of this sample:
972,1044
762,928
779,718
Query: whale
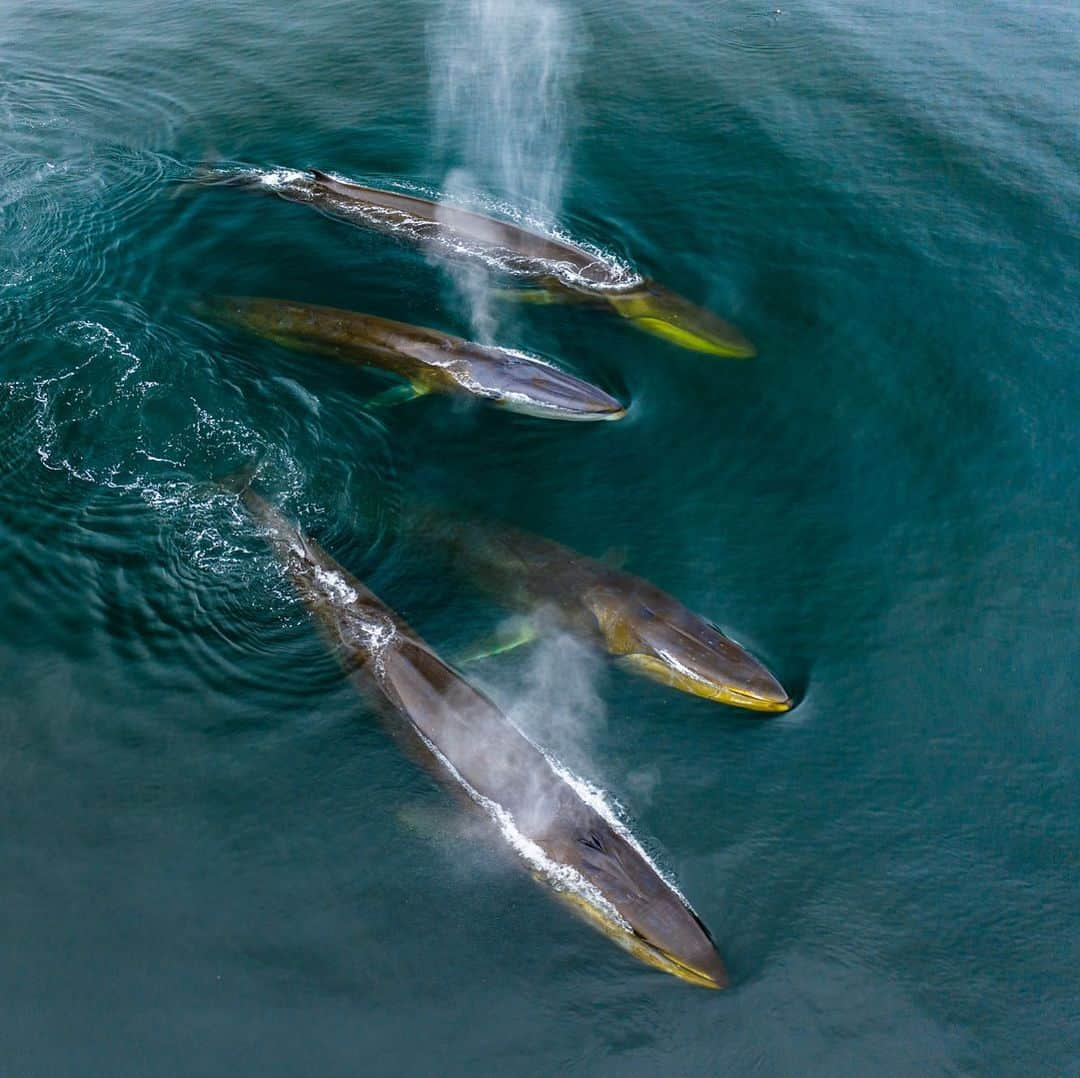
558,269
589,859
645,629
429,360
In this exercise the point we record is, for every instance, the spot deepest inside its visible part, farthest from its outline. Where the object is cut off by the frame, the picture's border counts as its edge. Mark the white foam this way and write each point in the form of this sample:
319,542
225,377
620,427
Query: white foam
105,391
560,876
277,178
335,584
596,799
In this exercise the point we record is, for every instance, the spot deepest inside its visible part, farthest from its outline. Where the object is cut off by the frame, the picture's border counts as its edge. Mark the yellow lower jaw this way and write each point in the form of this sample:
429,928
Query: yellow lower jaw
754,703
686,339
641,950
685,973
657,670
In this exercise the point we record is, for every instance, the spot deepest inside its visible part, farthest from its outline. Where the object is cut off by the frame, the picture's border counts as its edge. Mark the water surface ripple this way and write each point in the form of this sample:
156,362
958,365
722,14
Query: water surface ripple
215,860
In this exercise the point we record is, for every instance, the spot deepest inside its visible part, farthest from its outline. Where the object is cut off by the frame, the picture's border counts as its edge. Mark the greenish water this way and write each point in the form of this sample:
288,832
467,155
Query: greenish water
214,860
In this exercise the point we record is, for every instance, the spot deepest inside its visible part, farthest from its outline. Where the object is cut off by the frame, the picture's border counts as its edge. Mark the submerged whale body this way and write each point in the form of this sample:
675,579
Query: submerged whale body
431,361
561,270
646,629
472,746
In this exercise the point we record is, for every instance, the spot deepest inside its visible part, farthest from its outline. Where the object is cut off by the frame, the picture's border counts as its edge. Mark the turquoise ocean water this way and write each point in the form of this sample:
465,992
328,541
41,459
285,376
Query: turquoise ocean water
216,862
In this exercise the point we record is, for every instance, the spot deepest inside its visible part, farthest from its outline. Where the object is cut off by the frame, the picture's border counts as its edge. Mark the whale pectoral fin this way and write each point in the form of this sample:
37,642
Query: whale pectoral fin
538,296
615,557
397,395
432,823
549,292
518,635
422,820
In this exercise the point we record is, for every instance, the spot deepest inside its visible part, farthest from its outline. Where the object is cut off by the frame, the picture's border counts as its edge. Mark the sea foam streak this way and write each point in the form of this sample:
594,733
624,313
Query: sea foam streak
560,876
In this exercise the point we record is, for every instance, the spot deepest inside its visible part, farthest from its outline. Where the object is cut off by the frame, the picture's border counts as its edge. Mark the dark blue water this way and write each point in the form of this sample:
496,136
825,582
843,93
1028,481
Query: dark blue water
215,861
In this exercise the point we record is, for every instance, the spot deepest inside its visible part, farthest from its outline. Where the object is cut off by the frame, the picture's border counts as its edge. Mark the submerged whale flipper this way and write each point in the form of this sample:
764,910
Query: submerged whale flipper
615,557
524,632
395,395
430,823
540,297
548,296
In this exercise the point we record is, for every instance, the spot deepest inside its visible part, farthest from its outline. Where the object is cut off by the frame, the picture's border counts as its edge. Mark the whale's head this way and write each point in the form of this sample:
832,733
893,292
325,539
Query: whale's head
663,313
526,384
656,636
641,912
